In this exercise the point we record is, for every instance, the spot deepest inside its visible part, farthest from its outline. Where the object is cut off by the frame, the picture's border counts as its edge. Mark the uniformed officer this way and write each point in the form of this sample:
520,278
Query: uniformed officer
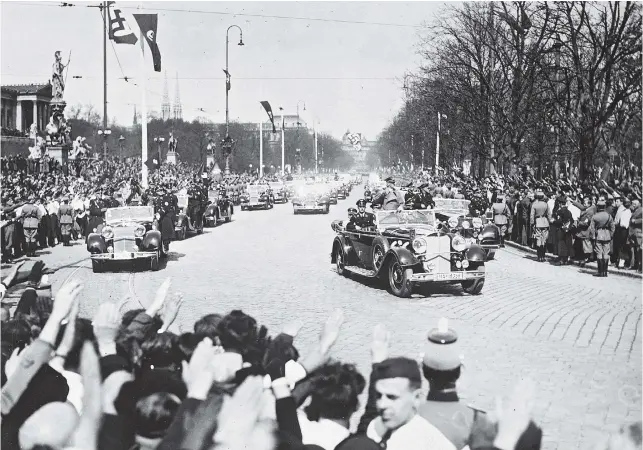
66,218
601,230
441,367
390,198
31,216
166,209
540,219
351,212
501,216
362,219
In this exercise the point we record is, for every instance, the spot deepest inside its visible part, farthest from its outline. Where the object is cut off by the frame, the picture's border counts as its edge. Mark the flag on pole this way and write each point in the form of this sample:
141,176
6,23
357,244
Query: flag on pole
147,24
119,30
268,109
152,163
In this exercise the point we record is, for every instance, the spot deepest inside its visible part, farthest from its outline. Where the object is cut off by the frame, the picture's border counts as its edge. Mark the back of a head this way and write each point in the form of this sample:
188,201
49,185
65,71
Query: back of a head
52,425
335,393
154,414
16,333
162,351
206,326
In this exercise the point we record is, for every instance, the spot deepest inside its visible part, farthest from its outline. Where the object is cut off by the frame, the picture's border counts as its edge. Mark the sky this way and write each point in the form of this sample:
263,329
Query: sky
349,75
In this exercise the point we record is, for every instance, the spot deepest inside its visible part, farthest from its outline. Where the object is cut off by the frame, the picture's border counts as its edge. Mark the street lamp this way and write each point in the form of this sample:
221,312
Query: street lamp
437,146
158,141
104,133
227,140
121,142
304,102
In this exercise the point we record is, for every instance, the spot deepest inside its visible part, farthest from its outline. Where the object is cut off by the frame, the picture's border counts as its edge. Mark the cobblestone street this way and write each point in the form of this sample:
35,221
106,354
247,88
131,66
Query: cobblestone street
578,336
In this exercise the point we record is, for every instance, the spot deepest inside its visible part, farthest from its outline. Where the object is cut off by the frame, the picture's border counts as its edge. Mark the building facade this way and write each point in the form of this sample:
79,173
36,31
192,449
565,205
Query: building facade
25,104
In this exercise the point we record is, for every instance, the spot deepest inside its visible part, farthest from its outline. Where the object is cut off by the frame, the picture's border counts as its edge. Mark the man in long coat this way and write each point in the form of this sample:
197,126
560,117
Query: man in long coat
66,218
635,236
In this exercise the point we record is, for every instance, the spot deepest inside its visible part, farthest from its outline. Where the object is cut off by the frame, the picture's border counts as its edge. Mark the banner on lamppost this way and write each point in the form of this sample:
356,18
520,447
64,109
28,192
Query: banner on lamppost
227,145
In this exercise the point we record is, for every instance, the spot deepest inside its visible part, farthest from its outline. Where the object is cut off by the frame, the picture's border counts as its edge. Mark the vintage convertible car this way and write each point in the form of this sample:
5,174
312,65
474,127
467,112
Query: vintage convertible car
189,219
332,195
279,192
408,247
219,209
129,234
256,196
456,215
311,198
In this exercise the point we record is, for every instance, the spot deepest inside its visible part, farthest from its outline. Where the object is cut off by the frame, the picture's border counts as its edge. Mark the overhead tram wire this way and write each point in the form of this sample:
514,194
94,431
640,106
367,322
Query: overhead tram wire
222,13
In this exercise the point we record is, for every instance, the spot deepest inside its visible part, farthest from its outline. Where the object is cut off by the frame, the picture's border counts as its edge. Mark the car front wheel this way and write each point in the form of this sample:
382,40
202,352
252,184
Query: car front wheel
229,216
399,279
97,266
339,262
473,287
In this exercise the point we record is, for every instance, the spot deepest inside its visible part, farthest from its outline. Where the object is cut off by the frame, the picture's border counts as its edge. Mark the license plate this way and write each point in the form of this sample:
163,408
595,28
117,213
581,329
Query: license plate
450,276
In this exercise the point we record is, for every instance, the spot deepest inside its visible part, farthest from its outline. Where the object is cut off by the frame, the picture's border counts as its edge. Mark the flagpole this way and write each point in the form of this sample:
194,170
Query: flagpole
315,131
283,144
105,13
260,148
144,171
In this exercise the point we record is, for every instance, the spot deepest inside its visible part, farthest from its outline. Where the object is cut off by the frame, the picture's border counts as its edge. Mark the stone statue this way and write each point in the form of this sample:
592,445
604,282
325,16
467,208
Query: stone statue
57,78
172,143
33,131
57,130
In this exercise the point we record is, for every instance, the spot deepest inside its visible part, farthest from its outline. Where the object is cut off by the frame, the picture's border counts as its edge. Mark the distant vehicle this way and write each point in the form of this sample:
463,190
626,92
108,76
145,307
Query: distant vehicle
480,230
189,218
406,248
279,192
311,198
256,196
128,235
219,209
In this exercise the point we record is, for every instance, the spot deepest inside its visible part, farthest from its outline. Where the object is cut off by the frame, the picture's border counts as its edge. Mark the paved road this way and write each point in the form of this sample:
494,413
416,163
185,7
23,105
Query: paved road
578,336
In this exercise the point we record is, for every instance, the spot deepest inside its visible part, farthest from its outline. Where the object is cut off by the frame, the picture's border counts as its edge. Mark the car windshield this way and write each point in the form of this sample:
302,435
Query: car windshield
129,214
255,189
276,186
414,217
452,207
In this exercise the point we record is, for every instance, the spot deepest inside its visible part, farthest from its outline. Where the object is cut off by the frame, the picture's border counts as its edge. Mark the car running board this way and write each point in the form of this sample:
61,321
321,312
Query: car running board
361,271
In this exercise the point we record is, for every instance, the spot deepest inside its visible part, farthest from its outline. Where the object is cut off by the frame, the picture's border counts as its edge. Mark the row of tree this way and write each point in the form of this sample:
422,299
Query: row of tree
197,139
552,85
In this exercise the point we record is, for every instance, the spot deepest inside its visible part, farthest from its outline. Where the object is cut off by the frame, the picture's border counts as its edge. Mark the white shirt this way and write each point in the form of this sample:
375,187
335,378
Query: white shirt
416,434
550,205
42,209
623,220
53,207
325,433
77,204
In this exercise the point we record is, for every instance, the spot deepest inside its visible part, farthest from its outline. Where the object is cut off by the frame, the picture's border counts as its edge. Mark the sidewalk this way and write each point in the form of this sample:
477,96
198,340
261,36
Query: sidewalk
611,269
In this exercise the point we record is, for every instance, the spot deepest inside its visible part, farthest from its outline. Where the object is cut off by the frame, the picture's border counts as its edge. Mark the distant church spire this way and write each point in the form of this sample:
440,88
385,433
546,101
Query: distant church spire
135,120
178,109
165,106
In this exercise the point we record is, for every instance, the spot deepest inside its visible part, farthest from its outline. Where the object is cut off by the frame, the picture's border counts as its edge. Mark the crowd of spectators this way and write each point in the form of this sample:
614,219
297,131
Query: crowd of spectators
132,380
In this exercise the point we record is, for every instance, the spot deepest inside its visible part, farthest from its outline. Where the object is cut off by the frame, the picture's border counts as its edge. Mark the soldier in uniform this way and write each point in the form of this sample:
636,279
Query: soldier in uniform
501,216
31,216
601,230
540,217
635,236
166,207
390,198
95,217
441,367
362,219
351,212
66,218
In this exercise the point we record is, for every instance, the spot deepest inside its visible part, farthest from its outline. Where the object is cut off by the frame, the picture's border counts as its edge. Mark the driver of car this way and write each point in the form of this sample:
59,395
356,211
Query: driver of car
362,219
351,212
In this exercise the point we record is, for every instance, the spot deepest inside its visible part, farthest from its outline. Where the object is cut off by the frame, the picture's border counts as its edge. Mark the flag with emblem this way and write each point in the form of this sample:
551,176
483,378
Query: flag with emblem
152,163
119,30
268,109
147,23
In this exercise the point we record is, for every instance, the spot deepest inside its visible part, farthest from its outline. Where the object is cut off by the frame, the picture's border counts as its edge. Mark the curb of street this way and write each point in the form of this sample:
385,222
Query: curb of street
592,265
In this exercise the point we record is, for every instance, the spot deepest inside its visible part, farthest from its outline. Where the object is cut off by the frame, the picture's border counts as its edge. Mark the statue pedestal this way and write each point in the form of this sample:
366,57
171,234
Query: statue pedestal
59,152
171,158
209,160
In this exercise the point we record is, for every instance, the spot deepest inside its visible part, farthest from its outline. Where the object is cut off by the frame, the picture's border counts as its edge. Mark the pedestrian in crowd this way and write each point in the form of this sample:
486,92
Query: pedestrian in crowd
585,246
540,221
501,217
620,252
564,222
635,236
601,231
31,216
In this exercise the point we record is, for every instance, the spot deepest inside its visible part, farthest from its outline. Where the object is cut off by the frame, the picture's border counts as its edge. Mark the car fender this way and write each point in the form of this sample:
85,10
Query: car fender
151,240
404,256
491,233
180,218
383,242
340,241
96,243
476,253
211,210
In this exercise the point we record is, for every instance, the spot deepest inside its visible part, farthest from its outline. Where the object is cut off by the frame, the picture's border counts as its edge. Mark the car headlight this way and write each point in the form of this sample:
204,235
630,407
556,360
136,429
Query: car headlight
108,233
458,243
419,245
453,222
139,231
477,222
466,225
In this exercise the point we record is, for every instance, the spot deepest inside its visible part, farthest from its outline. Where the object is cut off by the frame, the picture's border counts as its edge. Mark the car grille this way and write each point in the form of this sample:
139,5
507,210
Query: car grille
438,254
124,240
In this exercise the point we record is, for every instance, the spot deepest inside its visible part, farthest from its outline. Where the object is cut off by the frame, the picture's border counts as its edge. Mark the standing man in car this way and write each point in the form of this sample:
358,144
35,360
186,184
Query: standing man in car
390,198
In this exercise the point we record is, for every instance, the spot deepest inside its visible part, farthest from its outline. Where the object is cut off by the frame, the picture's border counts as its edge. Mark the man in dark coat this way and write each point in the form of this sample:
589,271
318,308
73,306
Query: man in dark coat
362,219
635,236
585,246
166,214
563,220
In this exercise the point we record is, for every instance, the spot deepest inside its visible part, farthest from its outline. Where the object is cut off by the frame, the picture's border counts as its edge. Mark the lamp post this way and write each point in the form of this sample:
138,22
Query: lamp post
121,142
105,133
437,145
227,140
158,141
